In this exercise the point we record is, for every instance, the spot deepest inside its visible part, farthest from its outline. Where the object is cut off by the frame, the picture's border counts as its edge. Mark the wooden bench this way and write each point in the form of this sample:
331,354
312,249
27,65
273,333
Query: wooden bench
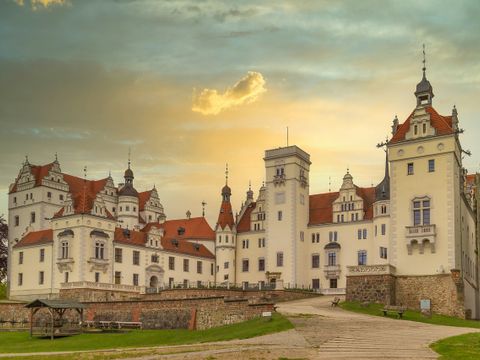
335,301
399,310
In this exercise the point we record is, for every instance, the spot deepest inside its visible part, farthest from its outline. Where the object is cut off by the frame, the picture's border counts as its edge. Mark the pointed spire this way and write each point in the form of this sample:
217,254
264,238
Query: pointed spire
226,174
249,192
203,208
26,160
424,63
129,154
56,157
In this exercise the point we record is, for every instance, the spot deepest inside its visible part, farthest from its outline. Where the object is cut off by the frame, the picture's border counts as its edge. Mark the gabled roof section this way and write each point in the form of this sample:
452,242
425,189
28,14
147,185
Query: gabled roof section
321,205
38,171
36,238
442,125
143,197
84,192
245,221
321,208
225,216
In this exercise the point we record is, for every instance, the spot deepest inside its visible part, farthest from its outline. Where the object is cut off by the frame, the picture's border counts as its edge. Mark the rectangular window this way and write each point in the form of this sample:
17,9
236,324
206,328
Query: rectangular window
60,197
318,237
97,277
64,250
330,236
155,259
332,259
49,195
315,261
261,264
335,236
135,279
302,236
426,216
186,265
20,279
376,230
211,269
171,263
20,257
279,259
315,283
359,234
279,216
42,255
364,233
118,277
170,282
384,229
199,267
41,278
66,276
410,169
431,165
32,218
245,265
118,255
333,283
136,257
225,265
17,220
362,257
313,238
383,252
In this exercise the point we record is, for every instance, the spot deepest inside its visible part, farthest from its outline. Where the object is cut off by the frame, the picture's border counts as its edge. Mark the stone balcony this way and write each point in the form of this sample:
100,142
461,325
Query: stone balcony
420,231
420,236
362,270
332,271
65,264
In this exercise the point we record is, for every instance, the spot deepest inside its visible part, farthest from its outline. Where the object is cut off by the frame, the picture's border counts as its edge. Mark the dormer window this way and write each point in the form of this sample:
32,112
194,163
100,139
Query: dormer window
415,130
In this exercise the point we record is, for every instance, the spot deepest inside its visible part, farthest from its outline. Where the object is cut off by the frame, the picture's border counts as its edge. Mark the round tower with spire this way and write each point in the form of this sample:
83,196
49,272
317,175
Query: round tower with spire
128,201
226,234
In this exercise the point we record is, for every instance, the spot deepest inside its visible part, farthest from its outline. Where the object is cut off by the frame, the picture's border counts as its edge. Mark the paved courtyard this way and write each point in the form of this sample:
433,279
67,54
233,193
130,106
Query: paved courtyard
321,332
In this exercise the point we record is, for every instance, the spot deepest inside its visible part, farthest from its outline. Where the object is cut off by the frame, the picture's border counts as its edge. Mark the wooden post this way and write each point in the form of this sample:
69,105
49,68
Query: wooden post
31,322
51,327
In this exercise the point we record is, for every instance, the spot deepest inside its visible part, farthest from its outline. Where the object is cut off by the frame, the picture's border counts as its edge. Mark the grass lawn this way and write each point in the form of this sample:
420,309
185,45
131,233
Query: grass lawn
375,309
20,342
463,347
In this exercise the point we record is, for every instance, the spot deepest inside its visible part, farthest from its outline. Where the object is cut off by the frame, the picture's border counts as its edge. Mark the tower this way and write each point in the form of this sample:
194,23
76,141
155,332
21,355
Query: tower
287,205
128,201
225,238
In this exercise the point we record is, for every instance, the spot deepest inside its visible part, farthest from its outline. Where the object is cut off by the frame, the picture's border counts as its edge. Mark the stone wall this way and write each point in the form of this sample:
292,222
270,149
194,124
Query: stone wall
371,288
445,291
98,295
445,296
174,313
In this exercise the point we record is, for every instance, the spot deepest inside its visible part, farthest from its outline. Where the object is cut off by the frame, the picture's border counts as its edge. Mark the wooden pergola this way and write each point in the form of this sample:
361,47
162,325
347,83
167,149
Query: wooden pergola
57,326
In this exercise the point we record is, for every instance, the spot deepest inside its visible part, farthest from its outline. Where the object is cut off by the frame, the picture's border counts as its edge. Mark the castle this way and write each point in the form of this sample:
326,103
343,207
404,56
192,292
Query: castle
412,236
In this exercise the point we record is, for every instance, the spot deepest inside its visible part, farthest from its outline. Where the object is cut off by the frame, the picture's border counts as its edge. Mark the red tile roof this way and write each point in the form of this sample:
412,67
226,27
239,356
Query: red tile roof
171,241
83,192
36,238
143,197
194,228
442,125
225,216
137,238
244,223
321,205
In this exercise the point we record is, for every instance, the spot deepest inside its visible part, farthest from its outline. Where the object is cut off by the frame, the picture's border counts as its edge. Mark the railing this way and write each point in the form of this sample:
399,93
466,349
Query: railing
420,230
331,268
101,286
360,270
336,291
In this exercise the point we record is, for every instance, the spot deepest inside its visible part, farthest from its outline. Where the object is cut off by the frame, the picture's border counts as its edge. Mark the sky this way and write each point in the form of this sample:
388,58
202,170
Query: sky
191,85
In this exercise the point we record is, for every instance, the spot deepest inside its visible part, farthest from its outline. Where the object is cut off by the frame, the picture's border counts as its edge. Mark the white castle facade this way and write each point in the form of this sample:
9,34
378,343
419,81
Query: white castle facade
419,222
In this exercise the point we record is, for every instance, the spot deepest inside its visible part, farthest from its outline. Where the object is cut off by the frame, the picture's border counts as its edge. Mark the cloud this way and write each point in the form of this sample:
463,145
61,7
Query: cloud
247,90
41,4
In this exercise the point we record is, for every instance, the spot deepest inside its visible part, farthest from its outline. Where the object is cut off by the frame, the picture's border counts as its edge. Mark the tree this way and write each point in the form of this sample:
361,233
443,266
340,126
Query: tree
3,248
